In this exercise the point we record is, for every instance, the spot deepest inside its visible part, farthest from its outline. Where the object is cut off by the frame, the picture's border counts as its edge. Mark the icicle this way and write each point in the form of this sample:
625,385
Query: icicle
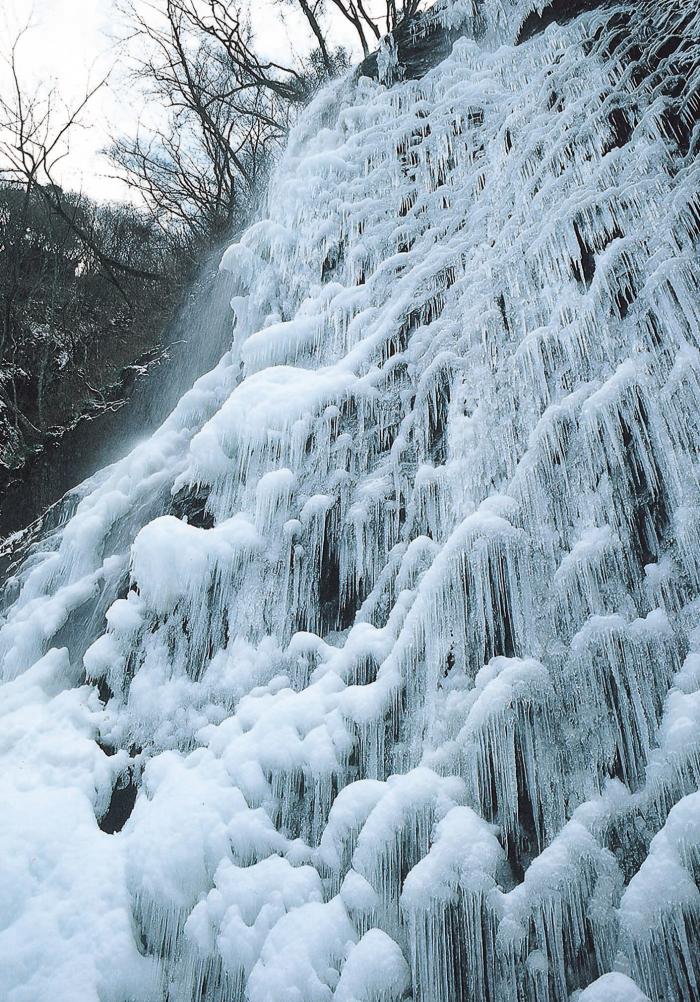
396,835
621,672
660,910
449,898
559,924
509,741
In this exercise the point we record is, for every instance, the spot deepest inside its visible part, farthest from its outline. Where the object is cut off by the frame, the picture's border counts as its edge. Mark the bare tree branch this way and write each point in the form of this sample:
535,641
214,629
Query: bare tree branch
33,141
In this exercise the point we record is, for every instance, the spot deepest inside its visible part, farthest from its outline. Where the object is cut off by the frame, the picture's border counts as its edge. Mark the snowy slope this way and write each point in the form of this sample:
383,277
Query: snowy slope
393,625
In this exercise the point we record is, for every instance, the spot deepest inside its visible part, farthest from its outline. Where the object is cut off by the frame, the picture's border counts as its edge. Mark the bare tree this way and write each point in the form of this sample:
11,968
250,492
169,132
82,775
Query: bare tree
35,132
65,261
313,11
369,25
222,110
228,26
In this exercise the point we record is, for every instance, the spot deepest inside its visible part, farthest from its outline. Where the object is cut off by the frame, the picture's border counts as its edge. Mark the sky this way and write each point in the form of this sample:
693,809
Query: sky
69,44
73,42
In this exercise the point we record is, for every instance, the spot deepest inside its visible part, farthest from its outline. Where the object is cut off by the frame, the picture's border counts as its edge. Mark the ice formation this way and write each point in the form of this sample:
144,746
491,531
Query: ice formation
374,674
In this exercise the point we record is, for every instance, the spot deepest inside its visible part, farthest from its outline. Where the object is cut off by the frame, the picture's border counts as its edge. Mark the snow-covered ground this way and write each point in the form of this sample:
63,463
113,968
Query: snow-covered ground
393,624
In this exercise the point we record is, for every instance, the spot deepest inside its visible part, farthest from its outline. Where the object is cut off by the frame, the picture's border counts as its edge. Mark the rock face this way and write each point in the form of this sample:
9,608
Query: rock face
419,42
374,674
97,420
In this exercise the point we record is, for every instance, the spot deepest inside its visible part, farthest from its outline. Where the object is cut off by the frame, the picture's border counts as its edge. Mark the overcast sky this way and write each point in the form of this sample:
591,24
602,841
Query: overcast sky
73,41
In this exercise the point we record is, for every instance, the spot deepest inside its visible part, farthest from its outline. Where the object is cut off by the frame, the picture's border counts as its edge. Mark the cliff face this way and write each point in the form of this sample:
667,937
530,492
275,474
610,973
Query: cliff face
123,391
374,673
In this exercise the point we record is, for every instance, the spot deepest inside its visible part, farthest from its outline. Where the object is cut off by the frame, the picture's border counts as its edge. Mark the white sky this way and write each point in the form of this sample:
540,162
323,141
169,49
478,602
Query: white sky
73,41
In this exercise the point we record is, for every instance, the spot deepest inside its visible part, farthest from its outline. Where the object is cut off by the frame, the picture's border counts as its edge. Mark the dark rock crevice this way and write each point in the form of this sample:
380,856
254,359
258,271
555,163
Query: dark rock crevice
559,12
421,43
121,805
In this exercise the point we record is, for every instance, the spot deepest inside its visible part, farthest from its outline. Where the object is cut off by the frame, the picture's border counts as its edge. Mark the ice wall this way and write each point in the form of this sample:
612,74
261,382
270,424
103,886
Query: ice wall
374,674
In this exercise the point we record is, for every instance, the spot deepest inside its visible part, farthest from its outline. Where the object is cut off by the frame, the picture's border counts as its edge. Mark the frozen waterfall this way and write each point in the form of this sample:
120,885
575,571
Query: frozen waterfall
374,674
